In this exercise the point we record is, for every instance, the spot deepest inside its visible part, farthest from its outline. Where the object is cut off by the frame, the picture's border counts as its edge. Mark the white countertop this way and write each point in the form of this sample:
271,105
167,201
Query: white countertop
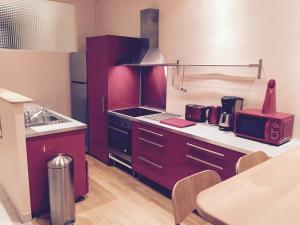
213,135
13,97
71,125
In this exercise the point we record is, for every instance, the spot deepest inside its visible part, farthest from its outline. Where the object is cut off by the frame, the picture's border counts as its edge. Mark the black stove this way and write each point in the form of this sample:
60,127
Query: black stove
119,132
136,112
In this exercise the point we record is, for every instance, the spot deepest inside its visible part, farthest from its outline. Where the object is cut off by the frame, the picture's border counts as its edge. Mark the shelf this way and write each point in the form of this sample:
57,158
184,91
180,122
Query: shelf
259,65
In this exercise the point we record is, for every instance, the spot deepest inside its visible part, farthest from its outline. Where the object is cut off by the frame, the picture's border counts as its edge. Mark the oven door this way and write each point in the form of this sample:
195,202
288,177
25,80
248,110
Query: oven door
119,142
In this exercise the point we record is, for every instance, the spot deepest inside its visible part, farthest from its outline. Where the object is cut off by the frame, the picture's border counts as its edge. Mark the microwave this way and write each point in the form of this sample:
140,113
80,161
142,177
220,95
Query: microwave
274,128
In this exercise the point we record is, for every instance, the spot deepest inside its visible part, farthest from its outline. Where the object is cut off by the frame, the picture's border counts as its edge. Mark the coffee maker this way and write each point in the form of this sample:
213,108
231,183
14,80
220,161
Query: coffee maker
230,104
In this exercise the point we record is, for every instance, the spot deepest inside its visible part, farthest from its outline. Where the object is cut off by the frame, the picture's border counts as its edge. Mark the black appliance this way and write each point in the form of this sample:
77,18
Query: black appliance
136,112
119,133
230,104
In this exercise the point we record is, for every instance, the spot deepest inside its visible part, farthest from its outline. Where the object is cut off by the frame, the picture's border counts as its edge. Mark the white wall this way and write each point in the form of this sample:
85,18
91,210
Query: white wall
42,76
222,32
45,76
120,17
86,22
13,158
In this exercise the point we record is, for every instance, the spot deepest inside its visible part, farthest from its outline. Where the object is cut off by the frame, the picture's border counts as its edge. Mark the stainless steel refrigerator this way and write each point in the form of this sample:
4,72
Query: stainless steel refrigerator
78,74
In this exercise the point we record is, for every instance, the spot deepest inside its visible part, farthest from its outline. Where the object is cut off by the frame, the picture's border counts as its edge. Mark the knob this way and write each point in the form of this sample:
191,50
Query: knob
275,125
274,135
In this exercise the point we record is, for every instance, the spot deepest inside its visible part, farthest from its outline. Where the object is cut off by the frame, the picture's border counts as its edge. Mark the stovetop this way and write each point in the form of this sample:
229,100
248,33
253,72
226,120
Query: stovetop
136,112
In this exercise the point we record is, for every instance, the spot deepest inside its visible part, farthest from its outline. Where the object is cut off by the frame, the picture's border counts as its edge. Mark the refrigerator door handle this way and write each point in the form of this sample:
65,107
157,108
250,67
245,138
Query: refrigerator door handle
103,105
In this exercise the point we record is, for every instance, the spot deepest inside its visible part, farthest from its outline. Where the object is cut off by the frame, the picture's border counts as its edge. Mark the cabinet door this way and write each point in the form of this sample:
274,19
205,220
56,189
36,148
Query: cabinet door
38,179
40,150
199,155
148,152
154,154
97,69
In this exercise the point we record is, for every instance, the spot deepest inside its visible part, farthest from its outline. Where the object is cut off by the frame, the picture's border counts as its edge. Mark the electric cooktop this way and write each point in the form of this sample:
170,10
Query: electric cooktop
136,112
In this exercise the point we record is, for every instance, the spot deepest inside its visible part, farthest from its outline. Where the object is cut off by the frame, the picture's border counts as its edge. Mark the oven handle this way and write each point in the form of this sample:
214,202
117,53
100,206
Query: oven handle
149,162
117,129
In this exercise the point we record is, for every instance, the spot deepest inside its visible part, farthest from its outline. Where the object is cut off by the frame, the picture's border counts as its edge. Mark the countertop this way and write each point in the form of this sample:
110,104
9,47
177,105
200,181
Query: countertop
227,139
13,97
265,194
71,125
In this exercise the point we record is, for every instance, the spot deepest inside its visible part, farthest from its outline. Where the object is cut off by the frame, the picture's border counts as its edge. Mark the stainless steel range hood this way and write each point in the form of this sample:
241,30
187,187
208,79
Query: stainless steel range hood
148,54
149,21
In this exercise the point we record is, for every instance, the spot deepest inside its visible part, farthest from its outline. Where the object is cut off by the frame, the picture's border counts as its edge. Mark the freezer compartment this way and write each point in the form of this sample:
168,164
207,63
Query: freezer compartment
79,101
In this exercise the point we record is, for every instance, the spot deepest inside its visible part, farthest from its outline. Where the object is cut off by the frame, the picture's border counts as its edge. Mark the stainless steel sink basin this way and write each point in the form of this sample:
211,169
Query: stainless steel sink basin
46,119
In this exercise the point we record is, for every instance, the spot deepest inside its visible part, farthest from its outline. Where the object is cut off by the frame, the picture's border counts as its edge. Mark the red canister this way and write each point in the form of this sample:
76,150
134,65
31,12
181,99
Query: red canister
214,114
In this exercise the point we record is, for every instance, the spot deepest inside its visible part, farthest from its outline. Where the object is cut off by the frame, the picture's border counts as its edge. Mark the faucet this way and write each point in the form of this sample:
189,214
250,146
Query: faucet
29,118
41,111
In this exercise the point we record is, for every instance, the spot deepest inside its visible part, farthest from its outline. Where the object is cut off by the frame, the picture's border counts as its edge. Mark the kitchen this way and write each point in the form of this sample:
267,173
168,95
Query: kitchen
193,32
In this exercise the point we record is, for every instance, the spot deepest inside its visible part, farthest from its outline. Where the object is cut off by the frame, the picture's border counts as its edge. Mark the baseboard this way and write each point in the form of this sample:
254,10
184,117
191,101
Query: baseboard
24,218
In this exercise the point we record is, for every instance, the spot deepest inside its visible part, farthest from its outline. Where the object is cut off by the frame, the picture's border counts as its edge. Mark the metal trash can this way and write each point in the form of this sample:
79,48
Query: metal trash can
61,190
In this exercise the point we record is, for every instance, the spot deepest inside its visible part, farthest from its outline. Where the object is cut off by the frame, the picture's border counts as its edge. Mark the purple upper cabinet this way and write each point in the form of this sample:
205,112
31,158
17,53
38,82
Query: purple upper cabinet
108,82
153,87
123,87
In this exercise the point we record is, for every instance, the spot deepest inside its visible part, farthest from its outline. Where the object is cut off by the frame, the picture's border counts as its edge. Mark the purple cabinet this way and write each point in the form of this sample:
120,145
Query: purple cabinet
154,155
109,86
166,157
40,150
199,155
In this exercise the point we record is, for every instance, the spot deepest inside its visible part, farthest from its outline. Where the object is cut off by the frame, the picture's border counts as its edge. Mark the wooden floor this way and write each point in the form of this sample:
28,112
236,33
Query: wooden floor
117,198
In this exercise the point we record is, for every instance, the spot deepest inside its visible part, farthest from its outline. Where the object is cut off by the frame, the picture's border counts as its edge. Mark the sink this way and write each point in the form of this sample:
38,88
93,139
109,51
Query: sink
46,119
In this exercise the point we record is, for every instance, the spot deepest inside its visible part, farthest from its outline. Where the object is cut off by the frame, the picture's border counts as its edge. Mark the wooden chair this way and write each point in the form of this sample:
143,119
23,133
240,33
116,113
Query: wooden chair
250,160
186,190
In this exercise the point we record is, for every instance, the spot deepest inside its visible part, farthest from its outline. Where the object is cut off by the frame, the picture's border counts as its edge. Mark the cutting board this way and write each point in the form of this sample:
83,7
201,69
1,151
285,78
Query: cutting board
176,122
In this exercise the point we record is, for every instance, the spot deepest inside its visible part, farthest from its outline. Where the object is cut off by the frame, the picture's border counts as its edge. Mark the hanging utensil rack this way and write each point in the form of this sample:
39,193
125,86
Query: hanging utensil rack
259,66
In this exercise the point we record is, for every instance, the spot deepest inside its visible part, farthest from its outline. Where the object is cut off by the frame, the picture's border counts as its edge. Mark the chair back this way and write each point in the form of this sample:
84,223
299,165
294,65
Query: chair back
250,160
186,190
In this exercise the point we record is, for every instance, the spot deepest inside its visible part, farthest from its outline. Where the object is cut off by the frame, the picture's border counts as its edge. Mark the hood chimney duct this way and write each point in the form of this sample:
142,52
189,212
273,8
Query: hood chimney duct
149,19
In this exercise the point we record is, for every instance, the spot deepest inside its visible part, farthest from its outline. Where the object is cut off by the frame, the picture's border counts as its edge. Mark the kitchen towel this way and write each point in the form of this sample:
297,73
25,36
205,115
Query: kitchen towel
176,122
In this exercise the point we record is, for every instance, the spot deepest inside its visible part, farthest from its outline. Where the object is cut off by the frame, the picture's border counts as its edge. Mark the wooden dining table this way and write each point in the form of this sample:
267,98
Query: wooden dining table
268,193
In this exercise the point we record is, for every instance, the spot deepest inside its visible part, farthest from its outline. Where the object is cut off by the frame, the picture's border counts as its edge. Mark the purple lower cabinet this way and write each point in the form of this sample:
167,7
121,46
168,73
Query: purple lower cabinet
166,157
153,154
40,150
199,156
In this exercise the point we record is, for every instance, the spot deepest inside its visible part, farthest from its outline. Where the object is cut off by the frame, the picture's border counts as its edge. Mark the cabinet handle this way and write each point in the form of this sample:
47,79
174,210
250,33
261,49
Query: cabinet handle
205,150
116,129
1,136
44,148
103,105
204,162
151,142
151,132
149,162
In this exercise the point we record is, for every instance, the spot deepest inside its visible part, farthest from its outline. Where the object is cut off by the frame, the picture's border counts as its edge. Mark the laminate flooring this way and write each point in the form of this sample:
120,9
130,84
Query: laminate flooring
117,198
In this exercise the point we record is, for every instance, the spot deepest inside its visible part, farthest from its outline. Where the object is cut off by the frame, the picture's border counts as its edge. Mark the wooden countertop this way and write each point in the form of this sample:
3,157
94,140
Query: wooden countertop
265,194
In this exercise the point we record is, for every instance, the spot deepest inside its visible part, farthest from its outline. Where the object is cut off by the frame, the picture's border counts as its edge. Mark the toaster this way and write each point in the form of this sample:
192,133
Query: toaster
196,113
